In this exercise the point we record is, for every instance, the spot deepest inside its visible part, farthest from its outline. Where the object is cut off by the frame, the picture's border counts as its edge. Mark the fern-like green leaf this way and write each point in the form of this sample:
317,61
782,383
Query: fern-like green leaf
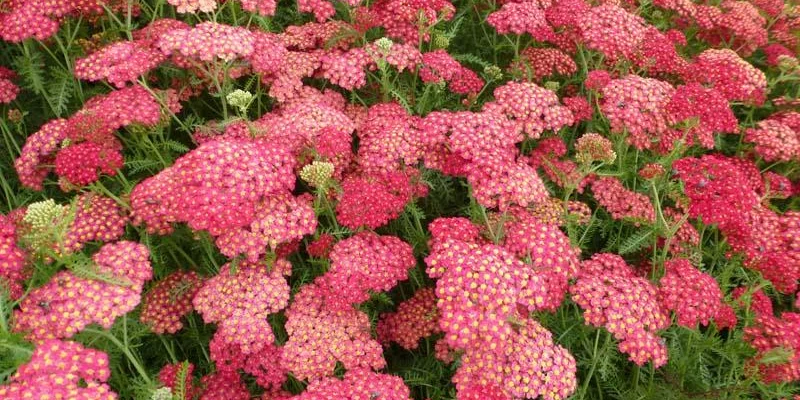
471,58
635,242
60,89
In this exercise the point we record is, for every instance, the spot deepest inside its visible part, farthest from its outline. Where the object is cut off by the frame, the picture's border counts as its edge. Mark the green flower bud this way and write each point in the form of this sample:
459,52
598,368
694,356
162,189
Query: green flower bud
317,173
240,99
43,215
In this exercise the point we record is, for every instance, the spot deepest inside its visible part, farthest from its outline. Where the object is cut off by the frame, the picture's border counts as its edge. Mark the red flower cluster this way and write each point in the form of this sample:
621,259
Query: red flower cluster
439,66
771,334
96,218
79,147
693,295
8,90
240,298
61,370
357,384
636,106
611,295
697,113
12,259
320,336
169,300
363,263
719,191
67,303
415,318
621,202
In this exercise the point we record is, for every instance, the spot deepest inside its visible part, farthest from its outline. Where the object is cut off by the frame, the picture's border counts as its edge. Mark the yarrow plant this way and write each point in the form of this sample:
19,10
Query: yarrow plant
399,199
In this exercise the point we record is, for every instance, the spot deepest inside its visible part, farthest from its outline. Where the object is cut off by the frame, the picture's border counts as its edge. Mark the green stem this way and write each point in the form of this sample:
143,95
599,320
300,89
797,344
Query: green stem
125,350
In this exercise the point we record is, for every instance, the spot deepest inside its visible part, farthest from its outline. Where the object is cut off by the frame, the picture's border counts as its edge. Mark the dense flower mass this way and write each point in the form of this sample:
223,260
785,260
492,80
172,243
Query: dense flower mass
118,63
399,199
68,302
8,90
12,258
636,106
320,336
60,369
366,262
611,30
612,296
729,74
96,218
694,296
620,202
240,298
373,200
771,334
169,300
414,319
358,384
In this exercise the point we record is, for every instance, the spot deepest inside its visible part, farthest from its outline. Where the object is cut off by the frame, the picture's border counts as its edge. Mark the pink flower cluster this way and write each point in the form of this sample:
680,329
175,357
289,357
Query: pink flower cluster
83,145
529,366
357,384
538,63
548,252
612,31
263,364
67,303
24,19
96,219
363,263
636,106
8,90
408,20
208,41
775,140
320,336
611,295
119,62
729,74
521,17
622,203
479,288
61,370
439,66
693,295
415,318
237,189
12,259
770,334
373,200
169,300
534,109
240,298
